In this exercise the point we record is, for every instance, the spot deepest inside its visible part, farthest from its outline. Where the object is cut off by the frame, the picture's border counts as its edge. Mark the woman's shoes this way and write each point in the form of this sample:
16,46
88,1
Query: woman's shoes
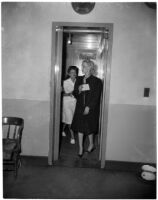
90,151
81,155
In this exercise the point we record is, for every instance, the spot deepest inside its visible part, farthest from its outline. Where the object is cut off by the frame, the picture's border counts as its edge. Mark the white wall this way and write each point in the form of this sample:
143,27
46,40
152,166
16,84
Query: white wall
26,64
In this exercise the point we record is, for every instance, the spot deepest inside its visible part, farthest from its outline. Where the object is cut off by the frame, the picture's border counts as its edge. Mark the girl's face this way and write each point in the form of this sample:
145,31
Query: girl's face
86,69
72,74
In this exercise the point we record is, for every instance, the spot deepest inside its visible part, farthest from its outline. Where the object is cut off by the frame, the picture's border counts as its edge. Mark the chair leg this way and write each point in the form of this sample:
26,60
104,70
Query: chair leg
15,169
19,162
17,165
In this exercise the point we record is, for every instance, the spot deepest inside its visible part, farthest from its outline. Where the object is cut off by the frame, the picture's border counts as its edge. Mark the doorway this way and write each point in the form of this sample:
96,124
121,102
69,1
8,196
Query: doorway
71,43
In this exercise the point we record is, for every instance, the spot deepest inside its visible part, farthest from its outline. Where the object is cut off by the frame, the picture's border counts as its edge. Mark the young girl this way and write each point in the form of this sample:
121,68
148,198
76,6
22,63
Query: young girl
69,101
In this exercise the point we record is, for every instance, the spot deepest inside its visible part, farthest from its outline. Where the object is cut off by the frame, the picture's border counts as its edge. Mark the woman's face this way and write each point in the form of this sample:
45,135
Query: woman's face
86,69
72,74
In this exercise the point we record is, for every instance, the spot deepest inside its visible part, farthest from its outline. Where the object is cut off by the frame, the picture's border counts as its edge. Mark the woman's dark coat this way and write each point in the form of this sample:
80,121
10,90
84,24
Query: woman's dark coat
87,124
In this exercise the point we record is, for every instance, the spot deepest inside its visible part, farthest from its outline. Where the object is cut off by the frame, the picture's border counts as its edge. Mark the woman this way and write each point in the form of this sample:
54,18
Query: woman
87,91
69,102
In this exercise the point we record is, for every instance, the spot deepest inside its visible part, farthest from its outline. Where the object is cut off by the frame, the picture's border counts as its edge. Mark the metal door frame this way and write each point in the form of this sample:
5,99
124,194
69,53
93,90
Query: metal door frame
55,88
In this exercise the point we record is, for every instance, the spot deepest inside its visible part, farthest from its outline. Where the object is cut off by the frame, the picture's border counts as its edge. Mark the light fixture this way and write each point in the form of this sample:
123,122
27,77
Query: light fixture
69,41
89,45
83,7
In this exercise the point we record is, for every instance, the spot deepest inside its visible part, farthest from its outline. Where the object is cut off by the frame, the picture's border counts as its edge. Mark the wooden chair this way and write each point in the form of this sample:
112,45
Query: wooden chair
12,135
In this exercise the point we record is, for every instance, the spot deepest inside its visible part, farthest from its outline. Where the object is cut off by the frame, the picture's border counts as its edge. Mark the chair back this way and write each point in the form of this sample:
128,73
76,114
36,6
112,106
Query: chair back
12,127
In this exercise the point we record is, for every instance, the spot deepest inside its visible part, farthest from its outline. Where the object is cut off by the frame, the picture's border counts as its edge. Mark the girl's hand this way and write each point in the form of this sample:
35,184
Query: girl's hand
67,94
86,110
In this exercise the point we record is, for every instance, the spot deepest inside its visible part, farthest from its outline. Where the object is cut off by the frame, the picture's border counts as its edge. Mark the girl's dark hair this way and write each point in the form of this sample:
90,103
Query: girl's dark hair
73,68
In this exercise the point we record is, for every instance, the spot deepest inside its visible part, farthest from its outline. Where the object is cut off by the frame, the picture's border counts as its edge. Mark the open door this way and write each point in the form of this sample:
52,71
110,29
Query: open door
55,85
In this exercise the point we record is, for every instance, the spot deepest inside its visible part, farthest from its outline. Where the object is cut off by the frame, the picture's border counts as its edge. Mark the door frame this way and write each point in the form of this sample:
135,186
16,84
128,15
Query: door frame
55,82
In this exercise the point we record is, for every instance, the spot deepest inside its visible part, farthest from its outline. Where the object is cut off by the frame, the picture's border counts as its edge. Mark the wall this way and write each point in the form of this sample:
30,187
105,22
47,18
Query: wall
26,64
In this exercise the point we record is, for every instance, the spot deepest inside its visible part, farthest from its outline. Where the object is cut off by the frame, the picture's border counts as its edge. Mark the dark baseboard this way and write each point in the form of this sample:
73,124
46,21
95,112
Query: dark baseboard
83,163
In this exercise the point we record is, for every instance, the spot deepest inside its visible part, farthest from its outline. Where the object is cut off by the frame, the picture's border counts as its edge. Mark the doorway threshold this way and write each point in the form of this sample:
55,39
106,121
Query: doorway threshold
77,162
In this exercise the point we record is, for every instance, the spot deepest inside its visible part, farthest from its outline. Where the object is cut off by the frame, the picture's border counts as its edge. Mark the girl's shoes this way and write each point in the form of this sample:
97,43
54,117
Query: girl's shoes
63,134
72,141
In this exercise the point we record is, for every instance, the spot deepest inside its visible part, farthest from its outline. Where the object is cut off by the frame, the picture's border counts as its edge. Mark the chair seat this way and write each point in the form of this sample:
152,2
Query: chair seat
9,147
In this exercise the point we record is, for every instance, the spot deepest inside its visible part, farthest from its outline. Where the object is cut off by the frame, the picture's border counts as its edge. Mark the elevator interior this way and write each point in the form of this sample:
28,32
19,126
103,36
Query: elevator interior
80,45
77,46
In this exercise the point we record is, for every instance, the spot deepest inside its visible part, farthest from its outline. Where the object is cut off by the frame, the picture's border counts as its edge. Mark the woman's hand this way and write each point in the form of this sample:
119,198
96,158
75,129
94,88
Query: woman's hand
86,110
80,89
